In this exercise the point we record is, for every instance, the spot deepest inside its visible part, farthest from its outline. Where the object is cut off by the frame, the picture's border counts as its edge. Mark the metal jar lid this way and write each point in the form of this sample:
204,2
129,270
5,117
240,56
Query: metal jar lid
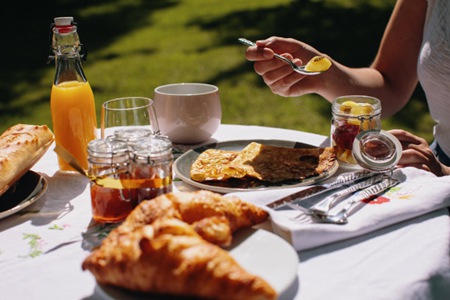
376,150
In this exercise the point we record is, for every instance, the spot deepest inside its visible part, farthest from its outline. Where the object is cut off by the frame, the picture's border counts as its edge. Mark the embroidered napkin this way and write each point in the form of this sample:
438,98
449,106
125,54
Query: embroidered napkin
418,193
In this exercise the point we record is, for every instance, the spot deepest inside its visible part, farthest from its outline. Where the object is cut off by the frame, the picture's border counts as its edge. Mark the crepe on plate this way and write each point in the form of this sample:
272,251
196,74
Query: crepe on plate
263,162
169,245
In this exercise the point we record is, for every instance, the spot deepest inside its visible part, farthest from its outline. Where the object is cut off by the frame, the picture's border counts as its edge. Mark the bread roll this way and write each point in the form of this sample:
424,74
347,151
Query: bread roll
21,146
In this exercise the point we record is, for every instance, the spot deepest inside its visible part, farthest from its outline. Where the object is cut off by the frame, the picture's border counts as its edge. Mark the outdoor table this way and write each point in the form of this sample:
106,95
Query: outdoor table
42,246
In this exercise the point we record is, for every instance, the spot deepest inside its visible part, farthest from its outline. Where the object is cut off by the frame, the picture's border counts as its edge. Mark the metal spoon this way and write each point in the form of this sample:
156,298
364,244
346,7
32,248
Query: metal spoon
354,204
351,206
329,202
72,161
298,69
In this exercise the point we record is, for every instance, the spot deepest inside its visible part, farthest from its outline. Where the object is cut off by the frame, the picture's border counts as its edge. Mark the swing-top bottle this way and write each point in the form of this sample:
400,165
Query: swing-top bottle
72,100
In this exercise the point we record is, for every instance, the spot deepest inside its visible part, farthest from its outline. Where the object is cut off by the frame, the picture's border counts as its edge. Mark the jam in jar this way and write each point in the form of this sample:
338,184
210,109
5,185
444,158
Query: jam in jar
352,115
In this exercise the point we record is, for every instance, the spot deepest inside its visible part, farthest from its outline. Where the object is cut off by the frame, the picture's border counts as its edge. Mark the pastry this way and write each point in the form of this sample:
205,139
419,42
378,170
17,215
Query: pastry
169,246
21,146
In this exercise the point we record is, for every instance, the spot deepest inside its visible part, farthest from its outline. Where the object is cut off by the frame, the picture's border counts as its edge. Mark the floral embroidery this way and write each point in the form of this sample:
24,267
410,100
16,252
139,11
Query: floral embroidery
57,227
396,193
403,194
378,200
35,243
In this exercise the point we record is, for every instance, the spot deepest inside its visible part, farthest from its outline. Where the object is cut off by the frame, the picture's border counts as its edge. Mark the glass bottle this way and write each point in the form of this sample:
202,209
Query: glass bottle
72,100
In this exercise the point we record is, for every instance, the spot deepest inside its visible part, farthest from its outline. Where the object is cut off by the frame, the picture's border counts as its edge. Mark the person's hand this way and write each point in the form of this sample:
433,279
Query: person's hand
417,153
278,75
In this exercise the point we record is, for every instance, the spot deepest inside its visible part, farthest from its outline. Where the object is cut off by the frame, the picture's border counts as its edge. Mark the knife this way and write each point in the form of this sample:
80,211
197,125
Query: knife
342,180
356,202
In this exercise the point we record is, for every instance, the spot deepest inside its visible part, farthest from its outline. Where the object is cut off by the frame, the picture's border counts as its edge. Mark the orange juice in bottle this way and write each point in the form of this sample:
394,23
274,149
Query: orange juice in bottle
71,100
74,120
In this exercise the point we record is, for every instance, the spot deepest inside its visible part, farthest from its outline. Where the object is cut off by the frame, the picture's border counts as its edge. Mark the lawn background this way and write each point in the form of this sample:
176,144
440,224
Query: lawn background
137,45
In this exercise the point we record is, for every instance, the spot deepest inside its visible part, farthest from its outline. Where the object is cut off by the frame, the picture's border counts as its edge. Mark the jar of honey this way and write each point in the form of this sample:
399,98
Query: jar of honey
109,159
151,166
352,115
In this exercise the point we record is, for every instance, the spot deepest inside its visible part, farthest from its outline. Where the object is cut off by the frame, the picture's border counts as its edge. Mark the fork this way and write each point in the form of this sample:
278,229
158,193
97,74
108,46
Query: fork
329,202
342,216
298,69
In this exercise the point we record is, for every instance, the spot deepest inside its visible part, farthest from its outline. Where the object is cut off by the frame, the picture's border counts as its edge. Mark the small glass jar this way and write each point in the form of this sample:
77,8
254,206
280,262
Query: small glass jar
109,159
352,115
151,167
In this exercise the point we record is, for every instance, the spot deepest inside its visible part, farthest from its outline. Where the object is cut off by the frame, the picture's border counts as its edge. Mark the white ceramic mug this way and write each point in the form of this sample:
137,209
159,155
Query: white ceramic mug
188,113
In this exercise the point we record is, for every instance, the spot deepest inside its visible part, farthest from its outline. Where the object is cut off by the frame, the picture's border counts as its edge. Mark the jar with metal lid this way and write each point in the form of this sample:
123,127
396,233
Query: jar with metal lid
352,115
109,159
151,166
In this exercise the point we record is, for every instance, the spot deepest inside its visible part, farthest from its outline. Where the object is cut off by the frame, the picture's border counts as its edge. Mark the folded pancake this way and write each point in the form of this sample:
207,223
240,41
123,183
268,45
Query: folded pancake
263,162
213,164
275,164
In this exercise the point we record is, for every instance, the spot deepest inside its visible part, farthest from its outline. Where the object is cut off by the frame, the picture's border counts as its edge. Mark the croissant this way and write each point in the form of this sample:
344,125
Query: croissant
203,209
168,246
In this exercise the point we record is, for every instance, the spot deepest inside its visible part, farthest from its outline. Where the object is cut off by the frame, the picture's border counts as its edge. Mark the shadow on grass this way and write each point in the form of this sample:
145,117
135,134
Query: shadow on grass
350,35
26,36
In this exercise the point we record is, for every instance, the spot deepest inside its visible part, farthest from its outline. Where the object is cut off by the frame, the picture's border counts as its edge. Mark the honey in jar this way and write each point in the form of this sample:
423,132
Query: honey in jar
151,167
110,158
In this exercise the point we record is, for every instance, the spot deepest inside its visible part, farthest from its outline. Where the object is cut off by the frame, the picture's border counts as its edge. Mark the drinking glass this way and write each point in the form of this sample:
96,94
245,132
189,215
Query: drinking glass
128,113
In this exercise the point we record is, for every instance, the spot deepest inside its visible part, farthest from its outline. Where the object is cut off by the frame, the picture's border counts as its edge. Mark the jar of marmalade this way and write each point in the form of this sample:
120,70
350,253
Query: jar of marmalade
151,166
352,115
109,159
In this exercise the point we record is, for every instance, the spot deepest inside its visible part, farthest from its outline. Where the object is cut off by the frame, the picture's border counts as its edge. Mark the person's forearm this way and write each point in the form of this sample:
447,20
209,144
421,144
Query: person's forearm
340,80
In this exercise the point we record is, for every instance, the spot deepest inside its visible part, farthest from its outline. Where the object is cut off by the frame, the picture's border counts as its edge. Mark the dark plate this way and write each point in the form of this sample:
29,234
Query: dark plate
22,194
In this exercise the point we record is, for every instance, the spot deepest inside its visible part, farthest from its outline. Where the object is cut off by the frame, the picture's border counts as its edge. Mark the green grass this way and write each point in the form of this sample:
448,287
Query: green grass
136,45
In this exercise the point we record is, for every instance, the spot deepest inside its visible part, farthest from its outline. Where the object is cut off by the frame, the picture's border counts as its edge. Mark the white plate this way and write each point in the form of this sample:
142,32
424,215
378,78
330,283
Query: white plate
259,251
26,191
183,165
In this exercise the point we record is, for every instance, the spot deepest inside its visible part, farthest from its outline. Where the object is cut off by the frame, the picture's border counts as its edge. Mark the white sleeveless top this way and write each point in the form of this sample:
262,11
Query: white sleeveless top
434,68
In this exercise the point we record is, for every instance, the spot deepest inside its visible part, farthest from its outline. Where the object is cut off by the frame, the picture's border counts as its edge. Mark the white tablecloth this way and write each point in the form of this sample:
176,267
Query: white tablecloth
41,247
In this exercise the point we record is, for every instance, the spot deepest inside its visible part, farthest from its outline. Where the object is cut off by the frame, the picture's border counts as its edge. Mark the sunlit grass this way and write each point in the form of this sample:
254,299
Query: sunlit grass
144,44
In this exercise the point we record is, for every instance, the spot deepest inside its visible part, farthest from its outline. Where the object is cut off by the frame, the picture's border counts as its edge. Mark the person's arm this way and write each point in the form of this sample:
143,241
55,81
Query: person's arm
391,78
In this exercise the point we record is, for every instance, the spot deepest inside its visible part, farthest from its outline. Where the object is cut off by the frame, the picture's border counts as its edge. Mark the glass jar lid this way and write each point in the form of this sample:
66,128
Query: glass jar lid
149,148
106,148
132,134
376,150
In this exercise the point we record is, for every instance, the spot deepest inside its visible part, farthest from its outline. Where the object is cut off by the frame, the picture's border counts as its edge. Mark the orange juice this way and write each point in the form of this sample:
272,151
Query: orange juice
74,119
